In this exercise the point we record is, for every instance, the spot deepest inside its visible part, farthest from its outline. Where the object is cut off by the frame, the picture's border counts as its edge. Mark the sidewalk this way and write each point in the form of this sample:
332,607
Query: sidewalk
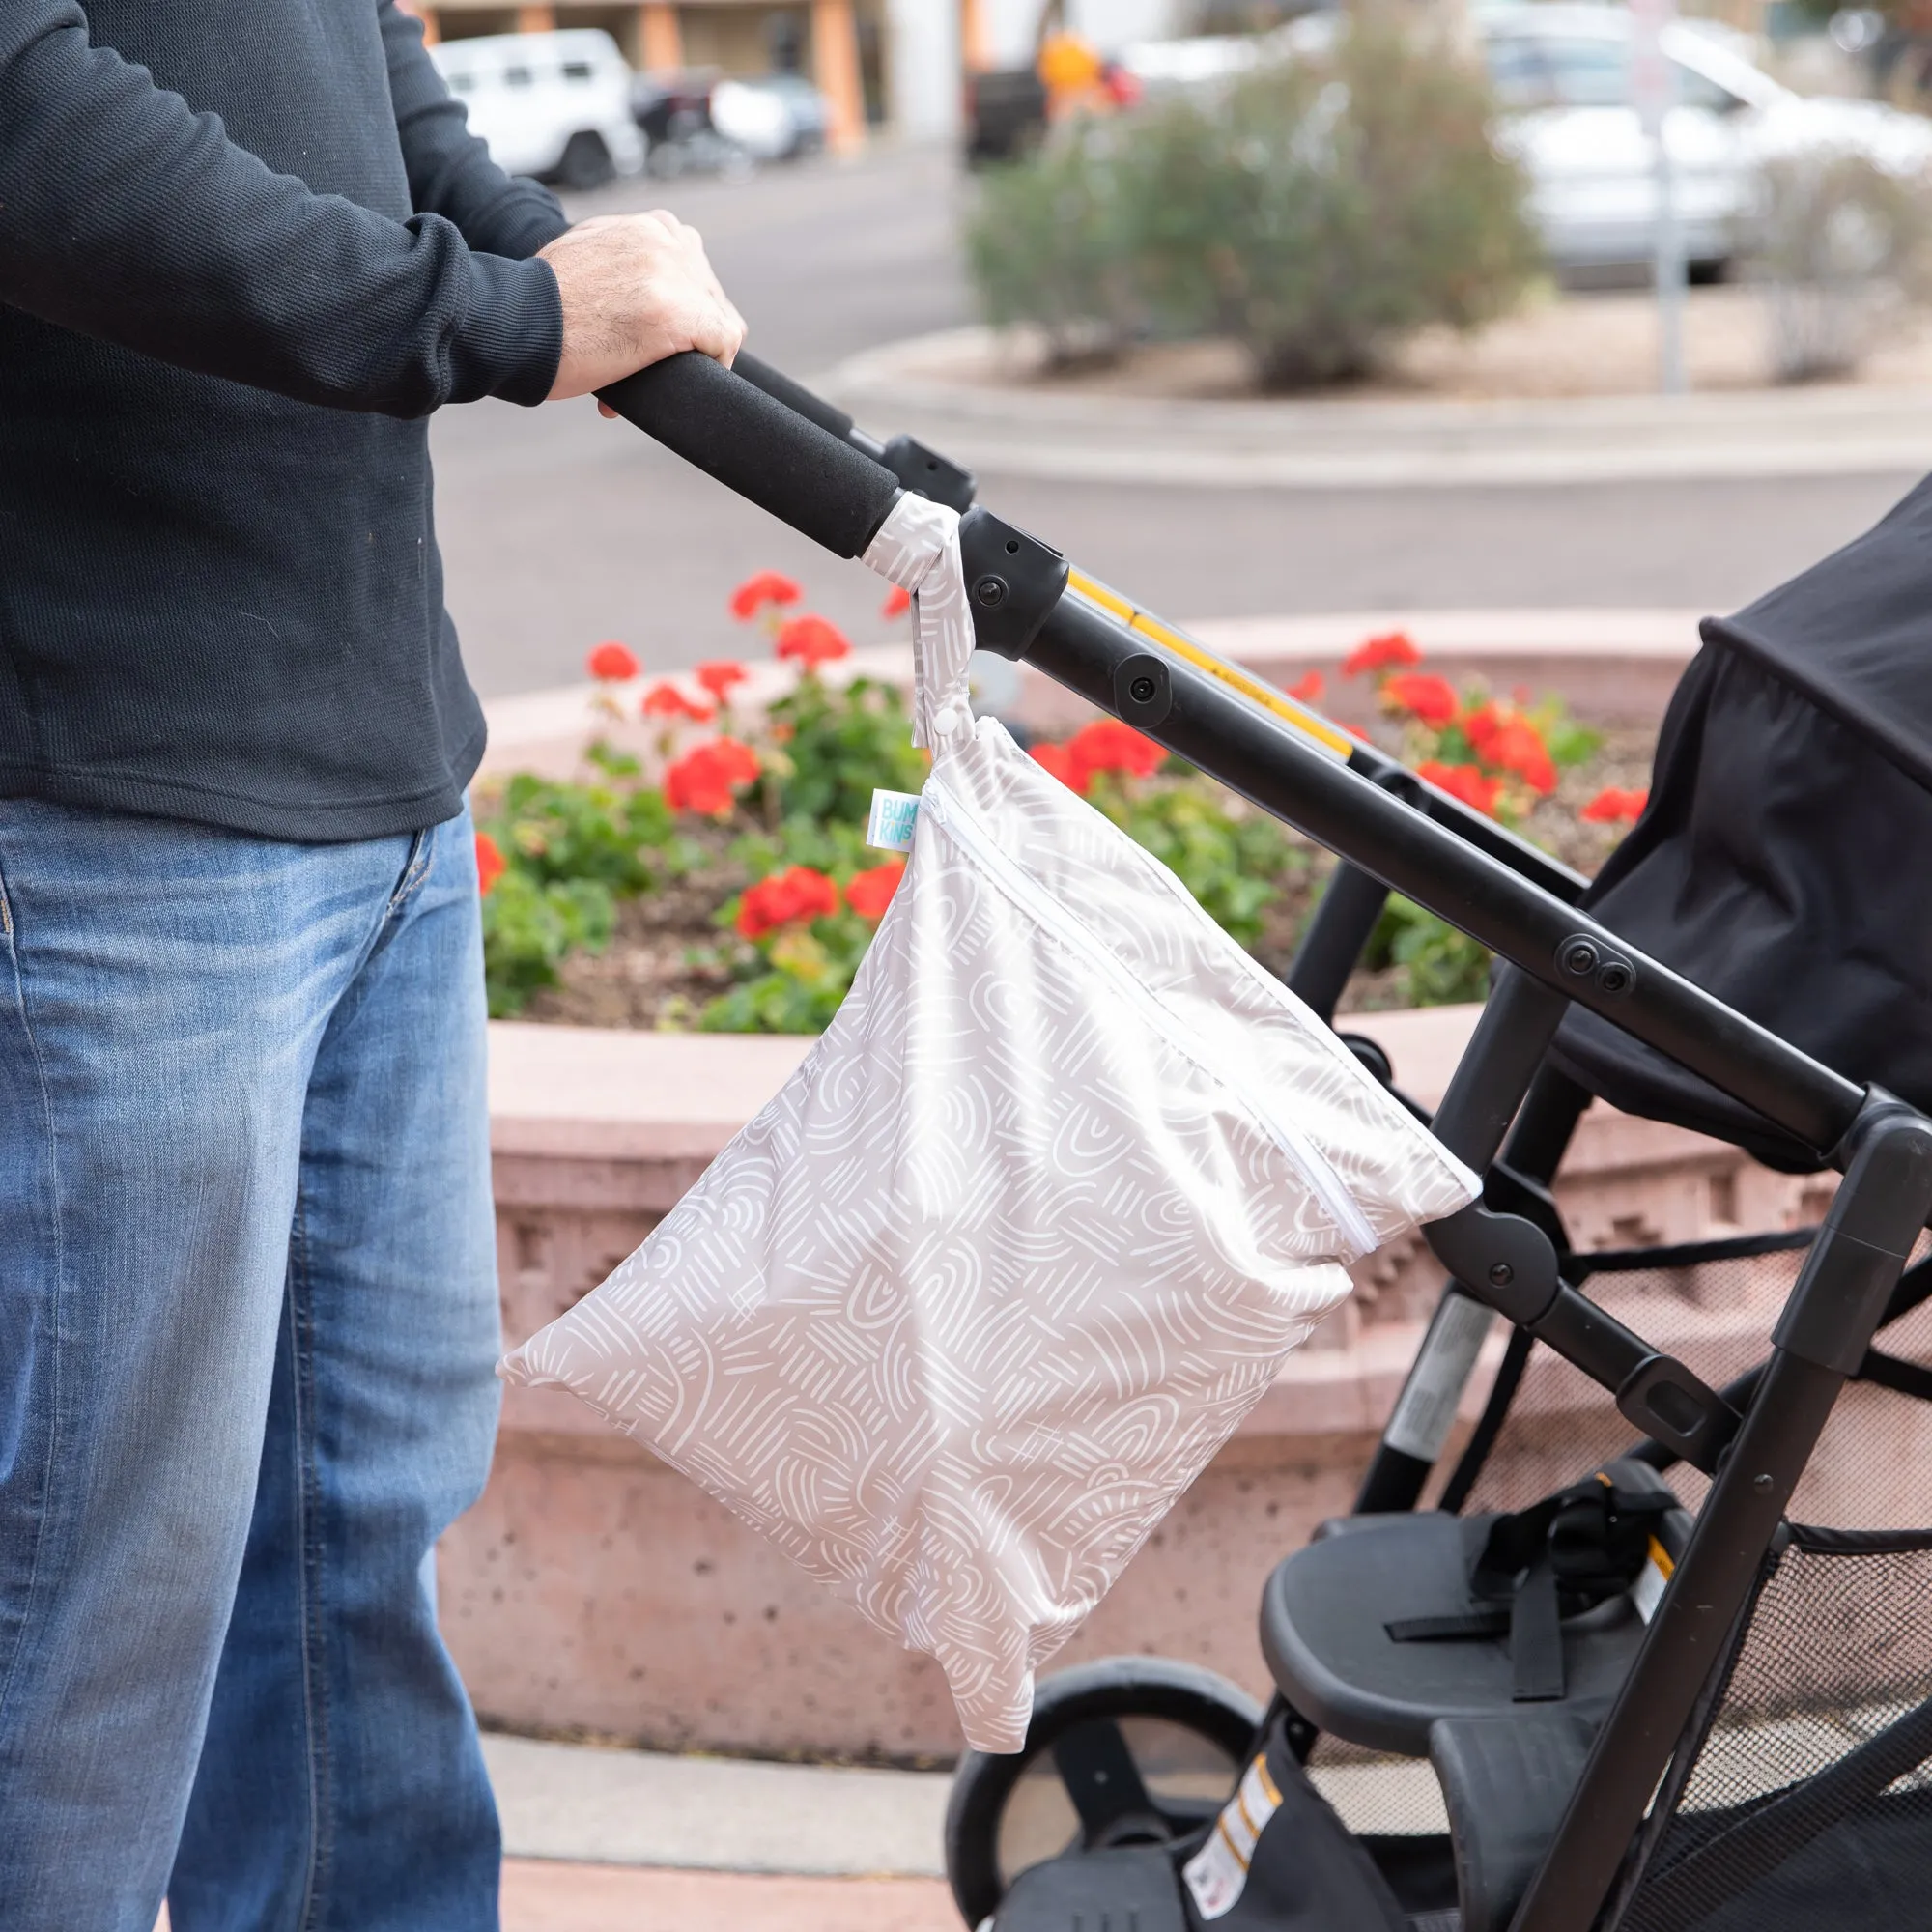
612,1899
639,1841
579,1803
612,1840
1382,444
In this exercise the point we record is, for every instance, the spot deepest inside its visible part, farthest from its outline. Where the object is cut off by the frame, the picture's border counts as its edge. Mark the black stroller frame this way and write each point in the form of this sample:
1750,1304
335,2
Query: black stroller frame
1507,1111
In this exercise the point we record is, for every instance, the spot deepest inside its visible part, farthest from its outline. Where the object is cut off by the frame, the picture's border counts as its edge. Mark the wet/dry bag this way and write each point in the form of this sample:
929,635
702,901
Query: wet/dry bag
959,1316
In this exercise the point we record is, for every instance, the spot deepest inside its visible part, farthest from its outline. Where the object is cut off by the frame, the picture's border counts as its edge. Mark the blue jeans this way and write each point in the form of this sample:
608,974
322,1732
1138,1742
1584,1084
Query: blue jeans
247,1332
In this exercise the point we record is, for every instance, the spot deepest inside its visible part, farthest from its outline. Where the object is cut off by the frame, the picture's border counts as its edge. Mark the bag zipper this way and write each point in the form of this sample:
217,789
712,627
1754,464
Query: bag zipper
1033,898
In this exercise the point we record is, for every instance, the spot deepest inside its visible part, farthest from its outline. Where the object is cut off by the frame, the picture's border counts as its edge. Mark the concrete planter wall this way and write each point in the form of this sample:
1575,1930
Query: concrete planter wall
594,1589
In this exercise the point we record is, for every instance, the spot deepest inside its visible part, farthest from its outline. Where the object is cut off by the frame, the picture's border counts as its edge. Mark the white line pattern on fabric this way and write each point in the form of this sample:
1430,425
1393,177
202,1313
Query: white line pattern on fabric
957,819
967,1306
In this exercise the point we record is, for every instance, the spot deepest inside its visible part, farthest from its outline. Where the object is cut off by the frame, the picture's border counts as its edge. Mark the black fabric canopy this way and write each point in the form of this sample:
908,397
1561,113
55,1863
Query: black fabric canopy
1784,861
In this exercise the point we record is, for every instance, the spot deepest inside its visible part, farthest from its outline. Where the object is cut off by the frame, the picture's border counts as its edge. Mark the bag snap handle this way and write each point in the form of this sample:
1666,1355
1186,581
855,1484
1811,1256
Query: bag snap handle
918,547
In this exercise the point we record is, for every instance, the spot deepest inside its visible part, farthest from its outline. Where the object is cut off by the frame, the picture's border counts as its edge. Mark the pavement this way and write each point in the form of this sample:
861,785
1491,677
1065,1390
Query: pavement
602,1840
560,529
629,1807
605,1840
609,1899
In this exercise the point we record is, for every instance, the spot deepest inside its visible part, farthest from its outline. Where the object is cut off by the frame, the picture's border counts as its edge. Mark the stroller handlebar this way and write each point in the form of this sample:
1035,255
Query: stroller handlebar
795,397
923,471
767,450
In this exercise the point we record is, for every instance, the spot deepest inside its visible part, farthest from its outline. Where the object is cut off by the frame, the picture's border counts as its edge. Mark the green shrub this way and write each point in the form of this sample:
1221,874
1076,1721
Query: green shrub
1228,860
834,743
531,925
1318,211
613,829
1837,244
1051,242
1441,966
796,979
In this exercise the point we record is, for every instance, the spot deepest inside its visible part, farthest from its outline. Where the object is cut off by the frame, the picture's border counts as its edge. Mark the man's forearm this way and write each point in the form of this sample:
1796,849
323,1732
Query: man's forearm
125,216
450,170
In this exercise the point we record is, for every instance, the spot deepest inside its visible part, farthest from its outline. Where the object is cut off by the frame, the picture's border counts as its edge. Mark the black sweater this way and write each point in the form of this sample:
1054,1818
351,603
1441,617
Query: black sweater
247,246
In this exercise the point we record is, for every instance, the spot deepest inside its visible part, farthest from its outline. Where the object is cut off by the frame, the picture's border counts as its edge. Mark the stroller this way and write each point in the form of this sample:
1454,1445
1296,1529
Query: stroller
1650,1700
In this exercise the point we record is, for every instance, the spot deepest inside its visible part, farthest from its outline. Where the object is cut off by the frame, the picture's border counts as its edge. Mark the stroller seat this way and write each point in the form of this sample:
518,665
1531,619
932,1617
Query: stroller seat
1327,1611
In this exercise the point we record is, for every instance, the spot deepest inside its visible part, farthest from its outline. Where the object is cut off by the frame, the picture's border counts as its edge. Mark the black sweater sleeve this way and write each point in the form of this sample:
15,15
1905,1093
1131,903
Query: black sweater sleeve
125,216
450,170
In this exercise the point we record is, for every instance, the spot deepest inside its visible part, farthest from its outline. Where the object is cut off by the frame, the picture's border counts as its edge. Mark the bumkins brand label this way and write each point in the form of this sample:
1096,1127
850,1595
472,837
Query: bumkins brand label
1218,1872
893,816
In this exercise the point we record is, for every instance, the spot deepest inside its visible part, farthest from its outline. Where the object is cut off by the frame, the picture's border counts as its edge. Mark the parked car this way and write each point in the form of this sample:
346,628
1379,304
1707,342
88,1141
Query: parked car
757,119
675,113
1005,114
808,115
1563,74
554,105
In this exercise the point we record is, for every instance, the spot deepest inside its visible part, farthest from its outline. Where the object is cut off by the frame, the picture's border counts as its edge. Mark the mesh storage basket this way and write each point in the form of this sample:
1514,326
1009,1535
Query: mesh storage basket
1802,1799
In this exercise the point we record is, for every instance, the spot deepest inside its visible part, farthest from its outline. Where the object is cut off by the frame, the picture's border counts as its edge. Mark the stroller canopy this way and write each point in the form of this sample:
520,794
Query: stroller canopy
1782,862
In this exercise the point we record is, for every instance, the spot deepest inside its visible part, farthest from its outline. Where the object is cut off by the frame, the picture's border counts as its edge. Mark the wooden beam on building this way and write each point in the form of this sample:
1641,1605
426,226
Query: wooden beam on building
835,69
660,38
974,43
432,28
536,19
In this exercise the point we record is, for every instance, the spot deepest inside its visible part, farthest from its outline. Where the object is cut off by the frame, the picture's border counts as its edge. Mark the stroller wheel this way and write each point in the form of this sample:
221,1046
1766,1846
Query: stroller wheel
1128,1750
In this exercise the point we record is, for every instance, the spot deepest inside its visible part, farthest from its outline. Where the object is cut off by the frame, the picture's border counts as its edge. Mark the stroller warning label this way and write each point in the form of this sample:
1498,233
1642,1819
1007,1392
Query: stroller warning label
1218,1871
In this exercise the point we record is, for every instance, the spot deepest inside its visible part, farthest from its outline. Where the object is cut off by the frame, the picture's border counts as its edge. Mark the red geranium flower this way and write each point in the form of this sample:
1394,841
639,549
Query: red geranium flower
1106,745
611,664
1308,688
1432,700
707,776
666,700
798,892
868,893
1613,805
1509,741
813,642
490,864
1481,728
898,601
1393,648
719,676
1057,760
768,586
1518,747
1464,781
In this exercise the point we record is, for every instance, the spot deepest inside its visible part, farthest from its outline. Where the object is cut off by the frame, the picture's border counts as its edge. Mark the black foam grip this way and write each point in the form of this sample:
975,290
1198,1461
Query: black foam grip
699,409
793,395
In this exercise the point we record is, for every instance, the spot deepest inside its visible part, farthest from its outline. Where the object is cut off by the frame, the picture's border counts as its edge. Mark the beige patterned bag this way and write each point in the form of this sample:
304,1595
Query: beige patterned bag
969,1304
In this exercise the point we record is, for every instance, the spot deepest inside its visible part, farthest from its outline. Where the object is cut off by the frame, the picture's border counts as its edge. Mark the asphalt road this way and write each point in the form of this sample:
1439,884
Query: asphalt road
559,528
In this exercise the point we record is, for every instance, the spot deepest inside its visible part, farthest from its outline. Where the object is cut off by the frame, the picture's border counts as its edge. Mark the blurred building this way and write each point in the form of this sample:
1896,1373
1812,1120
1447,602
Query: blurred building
1004,33
895,64
878,62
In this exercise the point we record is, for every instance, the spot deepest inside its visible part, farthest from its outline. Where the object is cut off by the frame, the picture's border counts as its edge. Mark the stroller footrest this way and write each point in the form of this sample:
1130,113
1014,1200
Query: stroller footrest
1134,1888
1506,1781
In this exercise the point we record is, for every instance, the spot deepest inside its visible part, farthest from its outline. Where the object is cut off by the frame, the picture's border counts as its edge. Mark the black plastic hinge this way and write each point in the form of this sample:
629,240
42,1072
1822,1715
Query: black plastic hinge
1500,1258
1013,581
927,474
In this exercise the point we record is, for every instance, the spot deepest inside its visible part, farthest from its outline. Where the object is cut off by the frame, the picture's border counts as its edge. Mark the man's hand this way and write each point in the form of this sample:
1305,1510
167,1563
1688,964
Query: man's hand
635,289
